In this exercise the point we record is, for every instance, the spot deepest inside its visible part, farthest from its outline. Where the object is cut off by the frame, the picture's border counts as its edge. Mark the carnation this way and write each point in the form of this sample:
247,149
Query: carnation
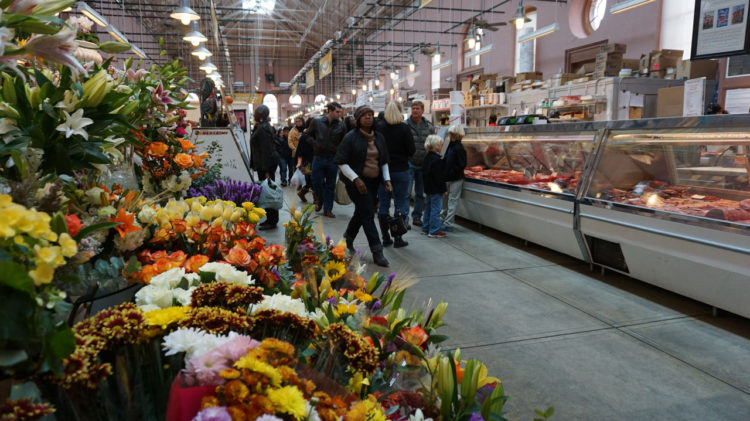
193,342
214,413
282,303
227,273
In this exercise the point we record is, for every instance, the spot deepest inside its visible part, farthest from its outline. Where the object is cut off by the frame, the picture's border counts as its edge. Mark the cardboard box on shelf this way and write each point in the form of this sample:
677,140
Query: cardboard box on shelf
631,63
489,76
508,83
613,48
663,59
644,63
635,113
466,85
669,102
521,77
607,64
609,58
586,69
475,103
687,69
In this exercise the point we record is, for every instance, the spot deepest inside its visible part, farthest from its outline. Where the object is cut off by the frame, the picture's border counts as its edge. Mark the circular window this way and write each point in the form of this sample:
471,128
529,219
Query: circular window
593,14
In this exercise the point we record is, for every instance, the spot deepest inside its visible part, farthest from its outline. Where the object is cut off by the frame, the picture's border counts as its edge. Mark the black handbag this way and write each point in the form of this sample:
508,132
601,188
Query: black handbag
397,224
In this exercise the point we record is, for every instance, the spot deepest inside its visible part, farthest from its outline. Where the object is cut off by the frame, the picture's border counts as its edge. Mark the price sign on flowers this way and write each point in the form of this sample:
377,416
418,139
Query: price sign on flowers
235,162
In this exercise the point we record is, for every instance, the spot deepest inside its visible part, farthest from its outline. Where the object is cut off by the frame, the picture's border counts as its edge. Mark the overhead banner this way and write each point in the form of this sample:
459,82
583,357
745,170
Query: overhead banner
294,89
310,78
255,99
326,65
423,3
720,28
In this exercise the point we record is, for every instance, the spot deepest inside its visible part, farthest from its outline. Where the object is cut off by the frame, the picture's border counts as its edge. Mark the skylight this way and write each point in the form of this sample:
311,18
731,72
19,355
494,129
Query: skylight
263,7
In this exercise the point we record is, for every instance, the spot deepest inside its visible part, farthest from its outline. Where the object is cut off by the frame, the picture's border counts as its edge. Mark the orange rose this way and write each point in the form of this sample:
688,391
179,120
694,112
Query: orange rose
201,228
339,252
158,149
197,161
163,265
161,254
195,262
183,160
186,145
179,225
238,257
414,335
162,236
178,257
147,273
257,243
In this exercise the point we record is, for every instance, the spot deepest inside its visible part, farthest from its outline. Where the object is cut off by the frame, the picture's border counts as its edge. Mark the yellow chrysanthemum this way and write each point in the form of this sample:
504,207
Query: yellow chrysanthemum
250,363
165,316
68,244
362,296
365,410
288,400
335,270
42,274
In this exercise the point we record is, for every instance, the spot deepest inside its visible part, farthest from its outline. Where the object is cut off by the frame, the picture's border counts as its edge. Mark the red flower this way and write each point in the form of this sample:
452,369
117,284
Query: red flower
74,224
379,320
414,335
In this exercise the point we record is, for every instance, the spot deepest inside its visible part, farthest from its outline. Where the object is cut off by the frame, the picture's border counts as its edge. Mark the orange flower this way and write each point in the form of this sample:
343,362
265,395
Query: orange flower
126,223
186,145
157,149
258,243
195,262
236,391
74,224
162,236
147,273
178,257
459,372
183,160
179,225
164,265
414,335
158,255
238,257
197,161
339,252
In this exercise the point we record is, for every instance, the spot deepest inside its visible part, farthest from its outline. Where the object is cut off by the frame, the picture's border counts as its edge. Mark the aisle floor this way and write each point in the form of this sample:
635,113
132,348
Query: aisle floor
592,346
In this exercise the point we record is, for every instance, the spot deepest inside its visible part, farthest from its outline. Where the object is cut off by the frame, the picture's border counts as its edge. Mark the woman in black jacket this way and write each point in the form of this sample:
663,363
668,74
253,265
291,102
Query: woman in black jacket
362,158
401,147
304,163
455,162
264,157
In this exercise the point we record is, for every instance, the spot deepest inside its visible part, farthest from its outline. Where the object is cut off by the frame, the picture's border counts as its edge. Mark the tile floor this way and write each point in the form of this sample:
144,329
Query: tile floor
593,346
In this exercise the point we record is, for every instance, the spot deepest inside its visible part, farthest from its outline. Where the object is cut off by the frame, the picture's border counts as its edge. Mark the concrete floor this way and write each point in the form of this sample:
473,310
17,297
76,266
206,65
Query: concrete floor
592,346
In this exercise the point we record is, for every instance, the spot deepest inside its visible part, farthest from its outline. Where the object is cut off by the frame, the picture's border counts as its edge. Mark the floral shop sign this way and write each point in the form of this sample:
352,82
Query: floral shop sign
234,154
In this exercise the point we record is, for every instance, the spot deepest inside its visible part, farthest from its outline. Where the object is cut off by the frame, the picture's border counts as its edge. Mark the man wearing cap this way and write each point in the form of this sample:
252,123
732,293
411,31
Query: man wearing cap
362,158
420,129
327,131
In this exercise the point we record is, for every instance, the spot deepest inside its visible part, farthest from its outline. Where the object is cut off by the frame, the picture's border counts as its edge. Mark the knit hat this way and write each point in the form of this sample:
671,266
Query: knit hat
360,111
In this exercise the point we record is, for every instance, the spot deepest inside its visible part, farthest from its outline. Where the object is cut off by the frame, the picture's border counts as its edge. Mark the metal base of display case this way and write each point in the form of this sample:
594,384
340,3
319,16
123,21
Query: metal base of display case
545,221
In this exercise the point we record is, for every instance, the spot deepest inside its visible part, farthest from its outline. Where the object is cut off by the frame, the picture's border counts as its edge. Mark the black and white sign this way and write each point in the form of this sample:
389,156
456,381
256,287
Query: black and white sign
720,28
235,163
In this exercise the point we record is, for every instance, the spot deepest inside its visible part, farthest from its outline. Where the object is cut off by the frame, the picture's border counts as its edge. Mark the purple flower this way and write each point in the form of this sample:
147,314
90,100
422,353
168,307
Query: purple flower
234,190
214,413
161,95
376,305
476,417
332,300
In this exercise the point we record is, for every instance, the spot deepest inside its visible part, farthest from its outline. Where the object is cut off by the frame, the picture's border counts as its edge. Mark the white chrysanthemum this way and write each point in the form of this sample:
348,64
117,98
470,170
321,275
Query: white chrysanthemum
147,215
283,303
227,273
183,295
193,342
169,279
152,296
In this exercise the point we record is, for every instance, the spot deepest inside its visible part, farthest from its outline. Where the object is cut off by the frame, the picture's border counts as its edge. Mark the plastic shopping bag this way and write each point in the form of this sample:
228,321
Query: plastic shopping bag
271,196
298,179
341,196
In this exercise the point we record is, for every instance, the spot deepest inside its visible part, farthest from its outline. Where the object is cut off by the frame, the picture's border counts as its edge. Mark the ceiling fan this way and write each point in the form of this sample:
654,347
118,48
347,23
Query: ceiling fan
483,24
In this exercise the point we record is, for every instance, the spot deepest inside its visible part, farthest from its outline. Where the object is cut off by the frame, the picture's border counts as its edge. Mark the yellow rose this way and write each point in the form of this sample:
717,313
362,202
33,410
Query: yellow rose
227,214
5,200
218,210
69,246
236,216
230,204
202,200
217,222
260,212
42,274
189,201
196,207
206,213
253,218
248,205
192,220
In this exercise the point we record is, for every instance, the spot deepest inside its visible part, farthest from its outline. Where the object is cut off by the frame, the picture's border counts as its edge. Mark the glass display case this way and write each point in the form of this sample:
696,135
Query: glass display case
697,176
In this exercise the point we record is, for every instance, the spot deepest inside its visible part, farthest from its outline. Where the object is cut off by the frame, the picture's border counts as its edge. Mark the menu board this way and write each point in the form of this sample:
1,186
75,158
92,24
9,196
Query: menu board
720,28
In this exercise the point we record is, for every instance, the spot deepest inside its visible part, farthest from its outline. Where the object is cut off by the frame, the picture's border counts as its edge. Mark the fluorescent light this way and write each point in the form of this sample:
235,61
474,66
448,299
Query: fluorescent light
479,52
539,33
90,13
446,63
140,53
117,34
624,6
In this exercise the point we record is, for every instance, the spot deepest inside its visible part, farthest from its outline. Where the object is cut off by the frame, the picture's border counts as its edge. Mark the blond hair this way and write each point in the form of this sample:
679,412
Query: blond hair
433,143
393,113
457,131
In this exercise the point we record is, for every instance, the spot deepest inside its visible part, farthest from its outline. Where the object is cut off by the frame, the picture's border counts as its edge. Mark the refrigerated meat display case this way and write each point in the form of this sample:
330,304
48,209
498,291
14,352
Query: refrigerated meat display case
667,201
523,180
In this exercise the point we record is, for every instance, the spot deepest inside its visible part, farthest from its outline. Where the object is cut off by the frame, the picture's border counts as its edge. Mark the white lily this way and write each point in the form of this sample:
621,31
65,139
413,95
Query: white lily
418,416
6,125
69,102
74,124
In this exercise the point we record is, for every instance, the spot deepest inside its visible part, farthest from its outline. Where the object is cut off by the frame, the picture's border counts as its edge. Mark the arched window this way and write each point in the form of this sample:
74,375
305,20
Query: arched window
270,101
593,14
526,51
320,99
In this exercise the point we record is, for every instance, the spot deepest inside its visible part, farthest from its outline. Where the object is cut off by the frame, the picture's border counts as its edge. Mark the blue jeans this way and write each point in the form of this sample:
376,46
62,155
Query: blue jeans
416,183
283,171
324,180
400,195
431,222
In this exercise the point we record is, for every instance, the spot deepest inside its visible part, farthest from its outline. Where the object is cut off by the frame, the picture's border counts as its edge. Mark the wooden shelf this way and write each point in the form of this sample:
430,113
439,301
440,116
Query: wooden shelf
486,107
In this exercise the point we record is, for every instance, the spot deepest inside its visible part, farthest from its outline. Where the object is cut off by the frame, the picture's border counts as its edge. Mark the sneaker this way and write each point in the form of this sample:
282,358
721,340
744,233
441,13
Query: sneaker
439,234
423,232
417,222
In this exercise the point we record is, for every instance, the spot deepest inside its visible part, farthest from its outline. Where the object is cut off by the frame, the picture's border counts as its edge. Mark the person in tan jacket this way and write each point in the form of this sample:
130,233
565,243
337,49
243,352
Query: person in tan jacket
294,134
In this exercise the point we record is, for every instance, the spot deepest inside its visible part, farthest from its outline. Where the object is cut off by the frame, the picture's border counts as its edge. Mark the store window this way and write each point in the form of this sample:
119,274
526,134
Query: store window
272,103
475,35
593,14
525,60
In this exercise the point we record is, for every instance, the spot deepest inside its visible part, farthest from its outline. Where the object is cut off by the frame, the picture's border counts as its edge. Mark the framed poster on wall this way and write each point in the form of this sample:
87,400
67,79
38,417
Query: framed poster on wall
720,29
241,116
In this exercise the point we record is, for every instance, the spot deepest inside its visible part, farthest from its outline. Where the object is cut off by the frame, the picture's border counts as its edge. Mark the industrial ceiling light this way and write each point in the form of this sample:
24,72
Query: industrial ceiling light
338,96
624,6
470,38
202,52
140,53
185,14
195,37
364,87
394,75
90,13
412,63
436,54
354,91
377,81
520,18
117,34
208,67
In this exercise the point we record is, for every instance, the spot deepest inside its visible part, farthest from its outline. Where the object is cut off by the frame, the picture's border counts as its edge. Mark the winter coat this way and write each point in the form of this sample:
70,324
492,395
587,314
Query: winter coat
353,151
400,144
455,161
263,154
419,132
433,174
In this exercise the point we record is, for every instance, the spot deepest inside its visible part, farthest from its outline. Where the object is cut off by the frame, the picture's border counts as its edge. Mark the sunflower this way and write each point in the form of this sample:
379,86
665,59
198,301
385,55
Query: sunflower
335,270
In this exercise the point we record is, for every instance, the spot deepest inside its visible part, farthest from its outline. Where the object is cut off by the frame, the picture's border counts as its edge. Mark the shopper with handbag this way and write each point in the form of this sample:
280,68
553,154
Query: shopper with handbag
401,147
264,157
454,164
362,158
304,154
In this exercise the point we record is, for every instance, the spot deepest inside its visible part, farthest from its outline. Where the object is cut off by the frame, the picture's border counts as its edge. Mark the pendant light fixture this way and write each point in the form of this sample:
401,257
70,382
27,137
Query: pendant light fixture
208,67
520,18
354,91
470,38
202,52
185,14
624,6
412,63
195,37
436,54
394,75
377,80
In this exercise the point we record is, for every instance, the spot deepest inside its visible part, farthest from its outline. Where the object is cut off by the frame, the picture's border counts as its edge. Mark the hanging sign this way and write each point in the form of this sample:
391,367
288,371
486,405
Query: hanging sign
294,89
234,154
310,78
326,65
255,99
720,28
423,3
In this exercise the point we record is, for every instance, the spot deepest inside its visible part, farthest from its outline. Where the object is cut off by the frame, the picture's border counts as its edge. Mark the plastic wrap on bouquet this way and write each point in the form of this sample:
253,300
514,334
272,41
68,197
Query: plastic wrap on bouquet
185,402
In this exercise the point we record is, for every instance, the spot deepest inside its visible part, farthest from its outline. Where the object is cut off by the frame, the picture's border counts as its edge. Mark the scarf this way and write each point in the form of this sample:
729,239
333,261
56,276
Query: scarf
369,136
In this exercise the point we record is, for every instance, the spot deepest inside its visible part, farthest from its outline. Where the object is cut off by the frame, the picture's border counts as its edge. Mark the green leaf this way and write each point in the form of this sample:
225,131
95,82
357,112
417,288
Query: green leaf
114,47
15,276
11,357
93,228
62,342
207,277
37,27
58,223
436,339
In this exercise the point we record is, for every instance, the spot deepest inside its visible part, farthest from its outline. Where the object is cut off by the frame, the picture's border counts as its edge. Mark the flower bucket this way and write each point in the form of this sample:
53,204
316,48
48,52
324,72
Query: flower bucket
185,402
